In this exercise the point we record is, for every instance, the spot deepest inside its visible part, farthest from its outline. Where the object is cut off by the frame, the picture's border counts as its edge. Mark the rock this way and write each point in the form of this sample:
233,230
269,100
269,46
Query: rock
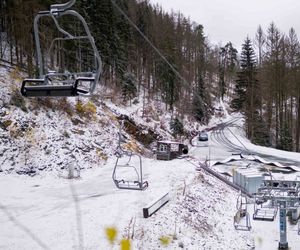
77,121
78,131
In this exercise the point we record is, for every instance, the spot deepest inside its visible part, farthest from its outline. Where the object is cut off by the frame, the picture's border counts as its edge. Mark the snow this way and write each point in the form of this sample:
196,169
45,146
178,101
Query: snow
41,211
49,211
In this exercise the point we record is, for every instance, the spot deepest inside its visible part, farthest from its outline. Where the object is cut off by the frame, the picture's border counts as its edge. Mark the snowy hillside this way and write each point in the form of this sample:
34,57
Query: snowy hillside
39,135
41,140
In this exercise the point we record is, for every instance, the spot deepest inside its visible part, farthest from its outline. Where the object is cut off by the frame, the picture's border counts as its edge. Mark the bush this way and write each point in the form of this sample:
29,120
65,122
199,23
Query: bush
79,107
88,110
17,100
64,105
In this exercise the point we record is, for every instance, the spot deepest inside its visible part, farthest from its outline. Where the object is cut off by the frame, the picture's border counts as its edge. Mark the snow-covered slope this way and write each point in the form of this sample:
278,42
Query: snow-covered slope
56,213
42,138
42,135
40,208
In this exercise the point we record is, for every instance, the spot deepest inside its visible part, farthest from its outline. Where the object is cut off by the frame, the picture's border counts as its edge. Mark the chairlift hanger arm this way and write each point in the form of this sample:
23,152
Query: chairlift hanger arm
67,34
62,6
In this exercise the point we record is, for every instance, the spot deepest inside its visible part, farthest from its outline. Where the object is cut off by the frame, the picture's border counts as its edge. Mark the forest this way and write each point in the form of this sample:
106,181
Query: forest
189,72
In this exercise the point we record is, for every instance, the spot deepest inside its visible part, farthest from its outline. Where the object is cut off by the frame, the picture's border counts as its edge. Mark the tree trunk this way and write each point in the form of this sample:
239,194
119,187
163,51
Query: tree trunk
298,126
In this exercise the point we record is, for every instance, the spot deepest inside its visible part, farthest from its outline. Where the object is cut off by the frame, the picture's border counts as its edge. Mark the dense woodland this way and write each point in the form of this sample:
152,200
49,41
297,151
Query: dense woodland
263,82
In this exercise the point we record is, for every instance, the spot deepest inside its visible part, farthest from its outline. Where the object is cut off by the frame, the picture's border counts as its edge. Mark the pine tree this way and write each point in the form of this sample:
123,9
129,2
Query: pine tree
106,22
286,140
260,131
201,102
169,84
129,89
246,89
176,127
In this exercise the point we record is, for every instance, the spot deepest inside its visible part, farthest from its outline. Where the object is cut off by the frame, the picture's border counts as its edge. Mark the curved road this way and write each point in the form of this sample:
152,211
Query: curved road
222,134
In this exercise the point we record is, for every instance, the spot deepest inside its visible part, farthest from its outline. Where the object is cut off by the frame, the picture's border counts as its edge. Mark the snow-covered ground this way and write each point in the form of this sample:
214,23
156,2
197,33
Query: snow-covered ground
49,211
265,234
57,213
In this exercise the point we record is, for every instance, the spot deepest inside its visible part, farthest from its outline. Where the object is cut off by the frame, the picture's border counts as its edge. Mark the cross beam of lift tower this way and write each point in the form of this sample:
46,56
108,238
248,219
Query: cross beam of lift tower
285,196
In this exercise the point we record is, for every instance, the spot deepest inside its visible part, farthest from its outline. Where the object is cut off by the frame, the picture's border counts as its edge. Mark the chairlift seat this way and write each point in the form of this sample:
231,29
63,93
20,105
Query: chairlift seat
137,183
42,90
131,185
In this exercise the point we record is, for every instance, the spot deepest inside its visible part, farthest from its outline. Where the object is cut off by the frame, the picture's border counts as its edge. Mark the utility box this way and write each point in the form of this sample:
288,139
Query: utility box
248,179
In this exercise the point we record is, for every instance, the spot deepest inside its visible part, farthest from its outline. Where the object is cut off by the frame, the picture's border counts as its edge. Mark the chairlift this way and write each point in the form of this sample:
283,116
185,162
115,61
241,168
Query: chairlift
241,219
59,81
264,209
131,172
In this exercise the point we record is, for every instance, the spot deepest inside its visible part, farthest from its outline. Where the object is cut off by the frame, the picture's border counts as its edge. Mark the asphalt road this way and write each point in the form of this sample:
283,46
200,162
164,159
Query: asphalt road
223,133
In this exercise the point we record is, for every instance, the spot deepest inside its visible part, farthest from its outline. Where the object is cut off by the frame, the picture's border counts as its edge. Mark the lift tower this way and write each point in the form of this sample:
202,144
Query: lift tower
283,195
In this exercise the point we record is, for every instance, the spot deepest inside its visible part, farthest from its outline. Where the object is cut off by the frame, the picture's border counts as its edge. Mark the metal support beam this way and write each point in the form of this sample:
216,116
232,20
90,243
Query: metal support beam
283,244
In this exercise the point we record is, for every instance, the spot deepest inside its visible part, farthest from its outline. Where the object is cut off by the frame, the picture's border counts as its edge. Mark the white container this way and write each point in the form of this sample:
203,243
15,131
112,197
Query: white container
248,179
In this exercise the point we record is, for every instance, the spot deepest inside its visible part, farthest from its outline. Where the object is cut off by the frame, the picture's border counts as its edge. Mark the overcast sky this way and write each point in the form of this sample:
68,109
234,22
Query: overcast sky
233,20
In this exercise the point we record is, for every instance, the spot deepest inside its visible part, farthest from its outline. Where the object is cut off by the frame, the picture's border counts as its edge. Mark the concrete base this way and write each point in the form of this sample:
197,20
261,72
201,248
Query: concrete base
283,246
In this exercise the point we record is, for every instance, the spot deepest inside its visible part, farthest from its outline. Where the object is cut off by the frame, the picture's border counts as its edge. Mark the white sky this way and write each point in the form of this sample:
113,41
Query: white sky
233,20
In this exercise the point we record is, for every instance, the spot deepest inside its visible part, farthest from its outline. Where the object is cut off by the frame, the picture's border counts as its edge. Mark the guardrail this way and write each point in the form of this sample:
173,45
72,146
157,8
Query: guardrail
155,205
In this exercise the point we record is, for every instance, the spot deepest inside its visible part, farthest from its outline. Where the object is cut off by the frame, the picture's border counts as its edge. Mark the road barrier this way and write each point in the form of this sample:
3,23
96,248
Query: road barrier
155,205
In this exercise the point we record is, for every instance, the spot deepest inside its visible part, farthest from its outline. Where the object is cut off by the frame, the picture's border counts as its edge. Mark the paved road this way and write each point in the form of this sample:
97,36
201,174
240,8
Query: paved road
224,141
223,134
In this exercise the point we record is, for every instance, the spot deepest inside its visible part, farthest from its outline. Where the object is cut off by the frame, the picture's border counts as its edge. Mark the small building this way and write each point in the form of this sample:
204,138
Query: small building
169,150
248,179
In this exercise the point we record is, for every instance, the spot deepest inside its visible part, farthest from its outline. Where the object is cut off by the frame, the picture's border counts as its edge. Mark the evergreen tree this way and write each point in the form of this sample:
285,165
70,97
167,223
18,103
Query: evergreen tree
246,89
176,127
201,99
286,140
169,84
222,85
201,102
129,89
260,131
108,27
237,103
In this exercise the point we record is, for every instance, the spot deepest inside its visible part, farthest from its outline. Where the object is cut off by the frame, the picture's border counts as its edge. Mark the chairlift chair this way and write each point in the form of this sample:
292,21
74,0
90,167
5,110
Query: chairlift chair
136,183
241,219
264,209
75,83
136,172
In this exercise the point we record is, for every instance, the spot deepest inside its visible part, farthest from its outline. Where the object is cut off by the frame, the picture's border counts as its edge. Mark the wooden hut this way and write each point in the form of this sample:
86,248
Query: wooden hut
169,150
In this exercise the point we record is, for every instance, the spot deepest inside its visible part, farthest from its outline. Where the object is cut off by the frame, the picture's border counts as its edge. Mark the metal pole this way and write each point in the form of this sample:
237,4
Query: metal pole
283,244
209,154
